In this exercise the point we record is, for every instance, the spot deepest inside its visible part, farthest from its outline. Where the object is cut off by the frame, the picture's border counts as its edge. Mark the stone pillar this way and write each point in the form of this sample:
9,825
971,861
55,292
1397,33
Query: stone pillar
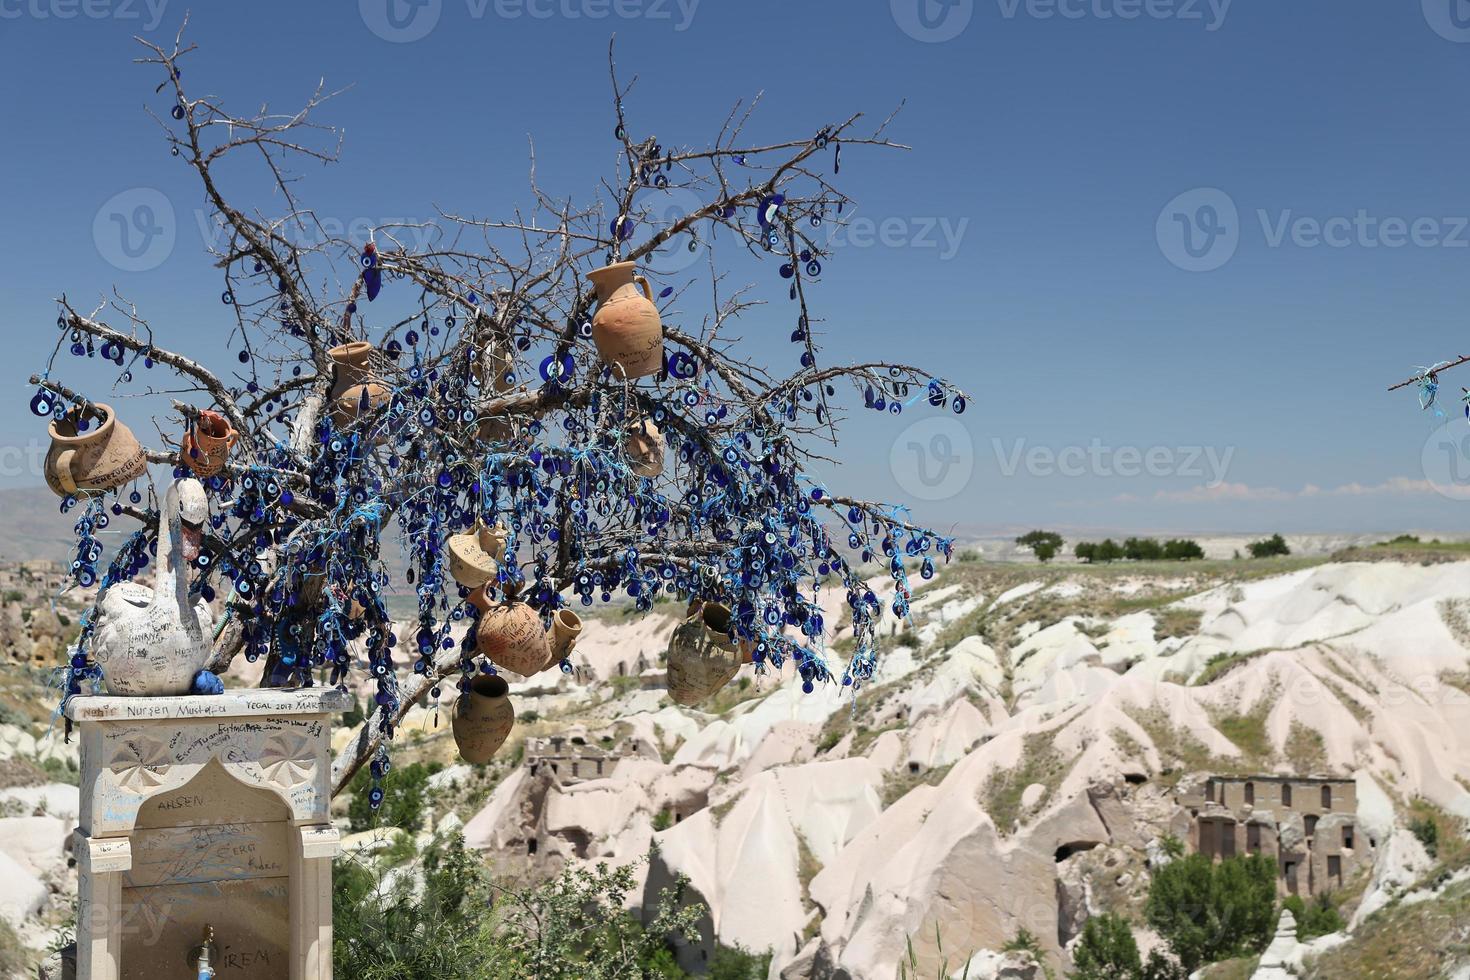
203,811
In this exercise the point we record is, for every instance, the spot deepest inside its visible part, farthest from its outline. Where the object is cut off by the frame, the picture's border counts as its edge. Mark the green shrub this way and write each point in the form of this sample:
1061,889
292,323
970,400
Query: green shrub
1427,830
1024,941
405,797
1107,950
738,963
1318,919
1211,911
1268,547
1043,544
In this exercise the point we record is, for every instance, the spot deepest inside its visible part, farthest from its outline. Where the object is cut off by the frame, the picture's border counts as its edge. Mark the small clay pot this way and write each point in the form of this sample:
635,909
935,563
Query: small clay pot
510,635
206,446
626,328
356,392
102,458
482,718
703,656
644,445
566,629
474,557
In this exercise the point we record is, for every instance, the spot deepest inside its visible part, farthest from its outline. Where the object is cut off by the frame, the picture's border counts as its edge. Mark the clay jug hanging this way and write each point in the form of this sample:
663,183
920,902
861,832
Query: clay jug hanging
92,456
644,445
206,446
482,718
703,656
626,329
566,629
510,635
474,557
357,391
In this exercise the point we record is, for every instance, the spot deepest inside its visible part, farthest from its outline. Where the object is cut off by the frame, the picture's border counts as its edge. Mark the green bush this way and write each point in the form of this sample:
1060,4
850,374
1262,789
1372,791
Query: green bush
1107,950
738,963
458,924
1427,830
1318,919
405,797
1182,549
1211,911
1142,549
1268,547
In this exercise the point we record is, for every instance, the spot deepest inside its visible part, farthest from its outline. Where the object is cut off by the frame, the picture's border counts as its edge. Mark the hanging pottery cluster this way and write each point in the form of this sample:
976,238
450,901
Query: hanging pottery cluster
516,460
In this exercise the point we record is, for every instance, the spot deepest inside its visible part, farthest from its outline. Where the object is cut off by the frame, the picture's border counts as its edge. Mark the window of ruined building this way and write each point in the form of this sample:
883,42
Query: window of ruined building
1253,838
1210,791
531,846
1347,837
1291,876
1286,794
1334,868
914,767
1327,797
1250,794
1227,840
1311,822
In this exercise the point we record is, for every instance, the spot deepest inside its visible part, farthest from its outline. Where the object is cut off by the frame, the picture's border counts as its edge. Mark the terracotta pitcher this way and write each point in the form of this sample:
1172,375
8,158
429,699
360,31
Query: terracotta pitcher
566,629
103,457
357,391
644,445
474,557
482,718
510,635
703,656
206,446
626,329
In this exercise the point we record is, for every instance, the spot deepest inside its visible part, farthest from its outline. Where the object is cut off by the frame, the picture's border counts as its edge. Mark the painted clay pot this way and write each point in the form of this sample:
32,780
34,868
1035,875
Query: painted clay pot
566,629
474,557
103,457
206,446
482,718
626,329
510,635
703,656
357,391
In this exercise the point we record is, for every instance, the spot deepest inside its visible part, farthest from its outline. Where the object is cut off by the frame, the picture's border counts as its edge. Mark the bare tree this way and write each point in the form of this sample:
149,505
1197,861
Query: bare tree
498,408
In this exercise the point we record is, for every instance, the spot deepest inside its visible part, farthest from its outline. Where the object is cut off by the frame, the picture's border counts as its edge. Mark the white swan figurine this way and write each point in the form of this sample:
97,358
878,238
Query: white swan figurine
152,642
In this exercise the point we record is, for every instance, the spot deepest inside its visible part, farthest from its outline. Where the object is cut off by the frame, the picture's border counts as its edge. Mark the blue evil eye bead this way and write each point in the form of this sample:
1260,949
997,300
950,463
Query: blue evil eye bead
895,408
227,298
42,404
814,268
622,228
411,338
788,270
177,112
584,329
958,405
351,307
375,797
666,293
815,221
244,357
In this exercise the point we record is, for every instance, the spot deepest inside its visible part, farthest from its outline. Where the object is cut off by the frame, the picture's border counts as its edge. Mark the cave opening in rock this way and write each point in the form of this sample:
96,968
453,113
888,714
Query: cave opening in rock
1076,847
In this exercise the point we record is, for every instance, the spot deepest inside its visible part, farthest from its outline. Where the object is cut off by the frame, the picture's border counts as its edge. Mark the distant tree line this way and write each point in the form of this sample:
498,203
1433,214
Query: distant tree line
1138,549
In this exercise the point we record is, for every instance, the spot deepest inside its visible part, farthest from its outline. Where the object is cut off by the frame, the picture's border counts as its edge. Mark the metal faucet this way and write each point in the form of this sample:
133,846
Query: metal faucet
199,956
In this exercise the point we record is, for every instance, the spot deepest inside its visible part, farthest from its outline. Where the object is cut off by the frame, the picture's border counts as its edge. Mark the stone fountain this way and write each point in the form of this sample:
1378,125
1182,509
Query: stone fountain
206,814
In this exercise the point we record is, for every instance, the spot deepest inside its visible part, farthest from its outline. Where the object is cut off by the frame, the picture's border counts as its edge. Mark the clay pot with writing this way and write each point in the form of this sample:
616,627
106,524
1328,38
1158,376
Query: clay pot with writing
88,455
474,556
644,445
357,391
510,635
626,328
482,718
566,629
206,446
703,656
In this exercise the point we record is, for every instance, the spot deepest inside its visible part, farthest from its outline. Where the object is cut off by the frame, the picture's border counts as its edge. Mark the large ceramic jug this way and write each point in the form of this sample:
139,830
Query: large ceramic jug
482,718
644,445
474,557
357,391
102,456
510,635
703,656
566,629
626,329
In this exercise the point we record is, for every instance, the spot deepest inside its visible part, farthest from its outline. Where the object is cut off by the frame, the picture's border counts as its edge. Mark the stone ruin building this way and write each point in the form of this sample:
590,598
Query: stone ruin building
1307,824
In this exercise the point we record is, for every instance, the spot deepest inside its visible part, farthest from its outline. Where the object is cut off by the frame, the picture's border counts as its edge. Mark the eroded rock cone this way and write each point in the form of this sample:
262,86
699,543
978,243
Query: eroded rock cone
482,718
703,656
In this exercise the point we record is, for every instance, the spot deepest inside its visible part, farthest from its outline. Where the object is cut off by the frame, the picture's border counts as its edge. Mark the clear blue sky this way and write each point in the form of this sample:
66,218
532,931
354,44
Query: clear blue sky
1029,254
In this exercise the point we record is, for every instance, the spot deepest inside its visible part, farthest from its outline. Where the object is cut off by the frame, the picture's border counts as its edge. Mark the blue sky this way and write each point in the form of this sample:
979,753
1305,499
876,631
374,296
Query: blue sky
1032,246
